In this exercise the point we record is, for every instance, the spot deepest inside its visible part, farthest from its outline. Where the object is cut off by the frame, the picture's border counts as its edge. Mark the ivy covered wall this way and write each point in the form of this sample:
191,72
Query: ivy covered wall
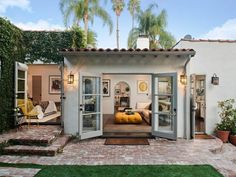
27,46
11,50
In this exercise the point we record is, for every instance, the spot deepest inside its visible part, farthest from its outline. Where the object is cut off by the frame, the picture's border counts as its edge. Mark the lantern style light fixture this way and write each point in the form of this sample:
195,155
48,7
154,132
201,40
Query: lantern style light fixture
183,79
215,79
70,78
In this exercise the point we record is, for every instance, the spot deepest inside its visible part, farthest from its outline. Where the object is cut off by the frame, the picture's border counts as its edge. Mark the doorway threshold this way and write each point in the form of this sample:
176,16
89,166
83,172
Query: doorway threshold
126,135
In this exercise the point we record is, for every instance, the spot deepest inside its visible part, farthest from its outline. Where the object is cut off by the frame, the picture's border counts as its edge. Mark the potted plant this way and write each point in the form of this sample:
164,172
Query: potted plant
226,114
233,130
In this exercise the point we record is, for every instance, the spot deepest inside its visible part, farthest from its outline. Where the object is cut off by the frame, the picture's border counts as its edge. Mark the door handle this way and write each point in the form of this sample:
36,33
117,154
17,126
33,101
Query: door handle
81,107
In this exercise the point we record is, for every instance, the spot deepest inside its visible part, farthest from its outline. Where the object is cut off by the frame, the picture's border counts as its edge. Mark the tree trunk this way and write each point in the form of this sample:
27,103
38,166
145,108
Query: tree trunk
86,21
117,31
132,22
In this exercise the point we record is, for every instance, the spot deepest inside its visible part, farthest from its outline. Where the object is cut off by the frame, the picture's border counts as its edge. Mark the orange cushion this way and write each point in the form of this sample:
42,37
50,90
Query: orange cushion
122,117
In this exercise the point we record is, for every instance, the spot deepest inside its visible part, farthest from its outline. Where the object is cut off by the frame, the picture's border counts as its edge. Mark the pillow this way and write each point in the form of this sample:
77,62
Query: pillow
143,105
150,107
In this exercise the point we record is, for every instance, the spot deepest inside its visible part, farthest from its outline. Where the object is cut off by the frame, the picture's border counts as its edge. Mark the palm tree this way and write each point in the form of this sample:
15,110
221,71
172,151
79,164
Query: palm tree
133,7
84,10
153,26
118,7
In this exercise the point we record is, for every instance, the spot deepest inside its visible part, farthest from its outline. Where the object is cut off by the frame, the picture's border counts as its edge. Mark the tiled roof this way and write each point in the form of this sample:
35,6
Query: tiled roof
209,40
123,50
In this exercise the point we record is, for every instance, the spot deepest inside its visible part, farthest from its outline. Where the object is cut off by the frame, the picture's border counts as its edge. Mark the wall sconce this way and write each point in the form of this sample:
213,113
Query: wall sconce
183,79
70,78
215,79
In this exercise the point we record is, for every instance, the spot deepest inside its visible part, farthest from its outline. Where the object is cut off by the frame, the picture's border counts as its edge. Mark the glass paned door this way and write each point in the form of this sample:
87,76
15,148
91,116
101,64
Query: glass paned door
164,113
90,106
20,89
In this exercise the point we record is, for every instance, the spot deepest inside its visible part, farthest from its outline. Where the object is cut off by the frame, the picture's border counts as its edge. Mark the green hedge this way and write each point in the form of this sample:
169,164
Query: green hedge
11,50
44,45
27,46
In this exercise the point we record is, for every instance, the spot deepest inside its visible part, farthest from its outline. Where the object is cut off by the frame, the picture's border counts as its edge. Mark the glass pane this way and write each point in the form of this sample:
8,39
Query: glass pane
164,85
21,96
164,104
91,123
91,85
21,74
21,85
91,104
165,123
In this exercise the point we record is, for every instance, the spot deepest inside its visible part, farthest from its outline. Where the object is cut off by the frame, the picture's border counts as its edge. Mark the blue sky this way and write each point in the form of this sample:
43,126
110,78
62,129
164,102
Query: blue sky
213,19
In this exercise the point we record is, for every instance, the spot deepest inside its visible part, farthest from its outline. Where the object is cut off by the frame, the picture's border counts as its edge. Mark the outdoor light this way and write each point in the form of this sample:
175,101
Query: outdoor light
70,78
183,79
215,79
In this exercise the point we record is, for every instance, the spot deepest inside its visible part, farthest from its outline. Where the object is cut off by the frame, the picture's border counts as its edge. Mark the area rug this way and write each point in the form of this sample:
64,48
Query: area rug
204,136
126,141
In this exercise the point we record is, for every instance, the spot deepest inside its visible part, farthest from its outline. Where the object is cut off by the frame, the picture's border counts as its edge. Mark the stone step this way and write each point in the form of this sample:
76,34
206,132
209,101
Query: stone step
56,147
36,137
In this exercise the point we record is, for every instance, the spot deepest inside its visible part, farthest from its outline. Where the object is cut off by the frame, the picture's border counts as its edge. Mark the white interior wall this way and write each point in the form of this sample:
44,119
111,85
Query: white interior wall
210,58
117,64
132,81
44,70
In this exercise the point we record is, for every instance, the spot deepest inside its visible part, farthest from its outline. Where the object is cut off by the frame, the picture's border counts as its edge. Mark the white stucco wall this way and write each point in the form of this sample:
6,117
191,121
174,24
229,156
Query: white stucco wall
117,64
210,58
44,70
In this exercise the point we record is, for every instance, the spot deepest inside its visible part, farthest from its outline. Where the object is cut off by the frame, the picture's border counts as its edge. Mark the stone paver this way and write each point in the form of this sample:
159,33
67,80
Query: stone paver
94,152
18,172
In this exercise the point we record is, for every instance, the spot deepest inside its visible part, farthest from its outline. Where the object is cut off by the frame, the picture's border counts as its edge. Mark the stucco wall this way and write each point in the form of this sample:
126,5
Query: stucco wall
210,58
44,70
117,64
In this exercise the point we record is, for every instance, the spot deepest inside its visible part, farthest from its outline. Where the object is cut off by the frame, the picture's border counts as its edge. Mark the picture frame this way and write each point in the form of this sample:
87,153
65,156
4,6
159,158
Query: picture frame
142,87
106,87
55,84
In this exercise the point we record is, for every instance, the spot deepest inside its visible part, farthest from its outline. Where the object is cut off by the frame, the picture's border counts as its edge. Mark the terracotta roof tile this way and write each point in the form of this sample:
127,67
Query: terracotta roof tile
123,50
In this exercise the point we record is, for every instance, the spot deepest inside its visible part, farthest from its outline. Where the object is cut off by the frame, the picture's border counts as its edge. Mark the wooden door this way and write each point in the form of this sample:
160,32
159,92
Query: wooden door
37,88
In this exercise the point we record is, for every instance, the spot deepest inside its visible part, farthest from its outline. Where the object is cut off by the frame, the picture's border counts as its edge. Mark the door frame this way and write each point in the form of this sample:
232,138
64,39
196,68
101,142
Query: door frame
173,135
81,107
193,104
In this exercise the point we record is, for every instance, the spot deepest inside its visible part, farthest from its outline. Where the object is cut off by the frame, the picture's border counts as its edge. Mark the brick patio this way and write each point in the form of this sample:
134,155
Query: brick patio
160,151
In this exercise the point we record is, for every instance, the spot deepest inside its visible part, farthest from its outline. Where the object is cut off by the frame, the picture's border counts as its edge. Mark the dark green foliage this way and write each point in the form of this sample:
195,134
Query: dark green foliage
11,50
27,46
44,45
121,170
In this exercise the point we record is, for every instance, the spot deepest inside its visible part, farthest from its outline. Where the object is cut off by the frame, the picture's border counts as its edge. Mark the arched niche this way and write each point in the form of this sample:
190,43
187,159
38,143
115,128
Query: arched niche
121,95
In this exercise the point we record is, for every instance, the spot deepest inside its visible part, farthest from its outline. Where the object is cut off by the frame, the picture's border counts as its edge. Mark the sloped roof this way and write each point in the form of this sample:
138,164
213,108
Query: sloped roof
127,51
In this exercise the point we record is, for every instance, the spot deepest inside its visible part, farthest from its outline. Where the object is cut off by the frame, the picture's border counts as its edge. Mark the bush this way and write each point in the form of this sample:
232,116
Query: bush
226,114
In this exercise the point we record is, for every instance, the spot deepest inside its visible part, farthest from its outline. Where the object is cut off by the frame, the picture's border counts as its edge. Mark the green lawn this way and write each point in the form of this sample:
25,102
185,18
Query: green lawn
121,170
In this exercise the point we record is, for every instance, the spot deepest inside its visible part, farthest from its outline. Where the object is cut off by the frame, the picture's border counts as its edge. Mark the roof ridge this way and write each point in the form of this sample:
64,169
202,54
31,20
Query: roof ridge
209,40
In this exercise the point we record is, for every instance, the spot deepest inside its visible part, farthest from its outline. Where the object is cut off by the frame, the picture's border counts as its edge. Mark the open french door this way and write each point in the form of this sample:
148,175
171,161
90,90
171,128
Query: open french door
20,87
90,108
164,107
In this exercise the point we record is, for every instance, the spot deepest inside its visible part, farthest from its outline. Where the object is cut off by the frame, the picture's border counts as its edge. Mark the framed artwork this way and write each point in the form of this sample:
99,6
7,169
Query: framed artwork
55,84
142,86
106,87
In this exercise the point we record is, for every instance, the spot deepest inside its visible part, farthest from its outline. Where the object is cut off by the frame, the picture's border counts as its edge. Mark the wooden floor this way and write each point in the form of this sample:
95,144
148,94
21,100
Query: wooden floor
110,126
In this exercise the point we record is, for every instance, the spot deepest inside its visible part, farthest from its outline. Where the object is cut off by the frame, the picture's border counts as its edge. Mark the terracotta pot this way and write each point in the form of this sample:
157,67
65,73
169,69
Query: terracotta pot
233,139
223,135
